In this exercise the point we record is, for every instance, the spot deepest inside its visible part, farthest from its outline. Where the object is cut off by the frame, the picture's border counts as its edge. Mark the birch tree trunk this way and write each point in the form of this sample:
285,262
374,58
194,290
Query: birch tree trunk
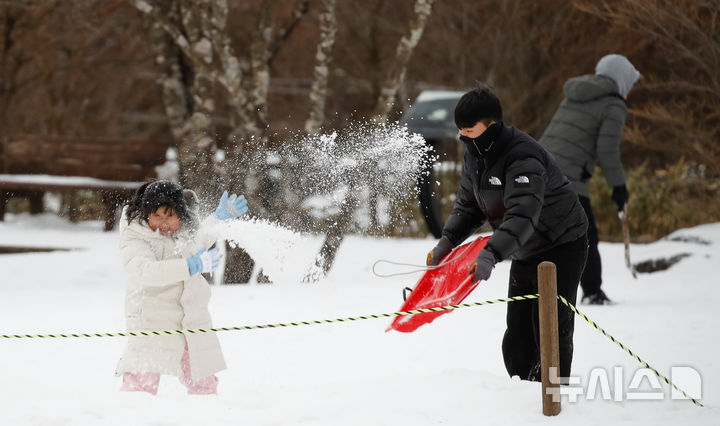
328,251
207,47
227,70
173,76
327,22
323,58
206,35
393,80
213,20
187,90
265,45
403,53
197,153
201,35
260,65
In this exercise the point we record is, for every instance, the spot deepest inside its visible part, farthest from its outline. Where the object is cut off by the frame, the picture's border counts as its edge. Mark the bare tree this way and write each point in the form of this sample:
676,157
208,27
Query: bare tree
86,68
200,34
396,73
388,92
323,57
292,193
204,41
188,100
680,97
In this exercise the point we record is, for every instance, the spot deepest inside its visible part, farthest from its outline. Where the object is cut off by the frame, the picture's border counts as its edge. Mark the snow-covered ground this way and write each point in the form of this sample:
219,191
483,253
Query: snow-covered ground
448,372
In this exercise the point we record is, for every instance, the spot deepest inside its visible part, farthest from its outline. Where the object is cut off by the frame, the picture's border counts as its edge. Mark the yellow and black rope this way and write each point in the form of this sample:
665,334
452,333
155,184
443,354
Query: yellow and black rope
264,326
349,319
626,349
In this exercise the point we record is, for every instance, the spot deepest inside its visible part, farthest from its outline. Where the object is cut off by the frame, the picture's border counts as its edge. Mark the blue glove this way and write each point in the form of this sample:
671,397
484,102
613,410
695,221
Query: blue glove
231,207
204,261
483,266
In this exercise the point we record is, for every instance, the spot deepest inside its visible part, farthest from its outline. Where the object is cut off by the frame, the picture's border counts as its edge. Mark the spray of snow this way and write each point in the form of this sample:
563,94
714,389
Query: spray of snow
321,172
282,253
360,161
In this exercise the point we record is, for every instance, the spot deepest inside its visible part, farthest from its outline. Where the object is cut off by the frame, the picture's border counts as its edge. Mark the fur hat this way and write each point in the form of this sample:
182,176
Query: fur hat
164,193
191,201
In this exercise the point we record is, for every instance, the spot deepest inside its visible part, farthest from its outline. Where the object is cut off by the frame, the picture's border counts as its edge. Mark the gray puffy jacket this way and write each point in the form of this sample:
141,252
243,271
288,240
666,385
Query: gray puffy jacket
586,129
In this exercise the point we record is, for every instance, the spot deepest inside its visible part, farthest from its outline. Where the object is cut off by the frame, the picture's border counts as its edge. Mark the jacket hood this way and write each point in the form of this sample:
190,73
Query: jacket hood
619,69
587,88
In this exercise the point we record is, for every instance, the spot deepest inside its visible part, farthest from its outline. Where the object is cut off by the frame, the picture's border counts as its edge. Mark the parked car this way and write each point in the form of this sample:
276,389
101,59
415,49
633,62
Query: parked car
432,116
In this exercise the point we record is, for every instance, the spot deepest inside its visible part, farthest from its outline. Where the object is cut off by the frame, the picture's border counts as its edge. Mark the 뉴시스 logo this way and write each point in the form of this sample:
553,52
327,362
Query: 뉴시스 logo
643,384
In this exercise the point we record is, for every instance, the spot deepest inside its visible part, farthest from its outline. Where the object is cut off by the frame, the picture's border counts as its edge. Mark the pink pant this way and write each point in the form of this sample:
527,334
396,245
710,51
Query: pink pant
148,382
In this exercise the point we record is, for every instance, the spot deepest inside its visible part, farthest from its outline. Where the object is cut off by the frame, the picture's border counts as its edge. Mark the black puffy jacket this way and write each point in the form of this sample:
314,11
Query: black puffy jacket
519,189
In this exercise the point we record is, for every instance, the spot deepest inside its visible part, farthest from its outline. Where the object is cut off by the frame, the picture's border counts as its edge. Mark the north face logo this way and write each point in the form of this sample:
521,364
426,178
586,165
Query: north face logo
522,179
495,181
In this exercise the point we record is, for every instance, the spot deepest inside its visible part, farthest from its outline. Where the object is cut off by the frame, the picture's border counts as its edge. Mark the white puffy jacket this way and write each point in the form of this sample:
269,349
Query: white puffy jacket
161,295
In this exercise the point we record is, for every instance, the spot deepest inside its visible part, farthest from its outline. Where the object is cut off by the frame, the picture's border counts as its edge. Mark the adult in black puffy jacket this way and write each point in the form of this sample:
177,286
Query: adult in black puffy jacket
509,180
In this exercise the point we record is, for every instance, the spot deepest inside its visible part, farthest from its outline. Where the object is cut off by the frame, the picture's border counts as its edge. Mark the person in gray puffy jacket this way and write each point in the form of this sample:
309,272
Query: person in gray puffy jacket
586,130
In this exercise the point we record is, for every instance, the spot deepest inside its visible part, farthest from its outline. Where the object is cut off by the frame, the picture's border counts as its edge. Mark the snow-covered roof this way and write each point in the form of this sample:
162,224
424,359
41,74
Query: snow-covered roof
51,180
434,95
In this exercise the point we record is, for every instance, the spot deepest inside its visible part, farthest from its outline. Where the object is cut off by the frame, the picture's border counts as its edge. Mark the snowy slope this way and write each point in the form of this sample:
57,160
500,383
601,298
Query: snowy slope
449,372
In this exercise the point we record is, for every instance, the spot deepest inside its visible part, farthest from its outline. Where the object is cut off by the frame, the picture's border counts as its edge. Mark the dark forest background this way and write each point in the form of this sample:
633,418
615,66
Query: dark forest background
86,68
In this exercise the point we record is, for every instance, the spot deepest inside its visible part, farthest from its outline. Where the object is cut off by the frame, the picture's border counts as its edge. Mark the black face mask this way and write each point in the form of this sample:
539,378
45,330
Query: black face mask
480,145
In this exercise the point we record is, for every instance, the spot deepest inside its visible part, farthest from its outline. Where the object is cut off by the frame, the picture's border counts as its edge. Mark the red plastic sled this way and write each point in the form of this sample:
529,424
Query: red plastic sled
449,284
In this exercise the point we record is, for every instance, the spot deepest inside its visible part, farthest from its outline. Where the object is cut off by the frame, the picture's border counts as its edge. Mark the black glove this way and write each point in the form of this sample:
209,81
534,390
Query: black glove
482,266
443,247
620,196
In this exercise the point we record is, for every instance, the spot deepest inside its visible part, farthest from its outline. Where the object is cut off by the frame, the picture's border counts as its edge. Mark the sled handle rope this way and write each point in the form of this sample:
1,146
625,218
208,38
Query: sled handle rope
358,318
418,268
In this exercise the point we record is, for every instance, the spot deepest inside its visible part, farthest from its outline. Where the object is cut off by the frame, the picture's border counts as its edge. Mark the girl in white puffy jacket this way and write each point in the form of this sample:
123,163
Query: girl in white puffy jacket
164,251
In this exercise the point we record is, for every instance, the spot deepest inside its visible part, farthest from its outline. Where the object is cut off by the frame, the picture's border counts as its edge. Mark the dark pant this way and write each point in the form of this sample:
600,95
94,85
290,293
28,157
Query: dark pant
592,276
521,343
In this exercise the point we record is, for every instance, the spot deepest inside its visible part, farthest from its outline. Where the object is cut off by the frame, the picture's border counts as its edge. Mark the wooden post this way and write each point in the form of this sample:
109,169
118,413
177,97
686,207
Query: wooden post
549,346
36,202
110,201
